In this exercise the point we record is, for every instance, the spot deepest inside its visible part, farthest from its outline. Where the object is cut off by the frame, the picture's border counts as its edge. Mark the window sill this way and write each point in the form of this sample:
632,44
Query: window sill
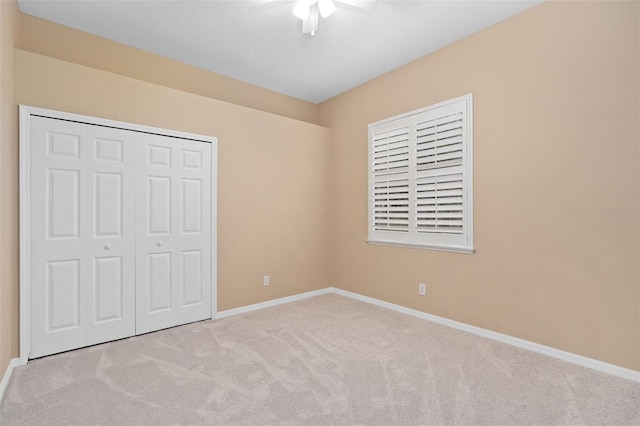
451,249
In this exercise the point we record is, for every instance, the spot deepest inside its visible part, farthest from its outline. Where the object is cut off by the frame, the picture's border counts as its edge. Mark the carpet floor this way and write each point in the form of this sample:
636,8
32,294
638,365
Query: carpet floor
320,361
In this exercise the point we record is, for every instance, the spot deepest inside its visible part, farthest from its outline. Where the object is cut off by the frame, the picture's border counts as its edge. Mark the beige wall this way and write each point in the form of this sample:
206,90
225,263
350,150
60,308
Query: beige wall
272,186
57,41
9,22
557,140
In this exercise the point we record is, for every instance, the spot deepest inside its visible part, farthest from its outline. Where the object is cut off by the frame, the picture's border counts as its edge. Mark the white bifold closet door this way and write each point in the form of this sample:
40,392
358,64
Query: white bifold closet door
173,246
82,235
120,233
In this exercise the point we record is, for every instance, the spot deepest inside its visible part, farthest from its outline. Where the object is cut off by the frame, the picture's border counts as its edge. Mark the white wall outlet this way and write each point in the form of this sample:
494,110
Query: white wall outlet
265,280
422,289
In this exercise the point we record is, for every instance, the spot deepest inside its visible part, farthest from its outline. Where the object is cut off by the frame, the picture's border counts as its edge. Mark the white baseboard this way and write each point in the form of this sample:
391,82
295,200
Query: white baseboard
591,363
15,362
583,361
270,303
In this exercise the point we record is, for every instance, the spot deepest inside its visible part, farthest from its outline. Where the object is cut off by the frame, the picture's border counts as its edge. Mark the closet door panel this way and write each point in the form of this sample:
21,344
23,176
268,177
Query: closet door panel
157,225
111,288
194,241
159,277
82,235
58,267
174,234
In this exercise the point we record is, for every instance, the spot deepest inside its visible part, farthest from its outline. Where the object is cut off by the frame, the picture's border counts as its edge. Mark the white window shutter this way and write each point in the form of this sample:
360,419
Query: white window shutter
391,151
391,205
420,178
439,142
439,204
389,158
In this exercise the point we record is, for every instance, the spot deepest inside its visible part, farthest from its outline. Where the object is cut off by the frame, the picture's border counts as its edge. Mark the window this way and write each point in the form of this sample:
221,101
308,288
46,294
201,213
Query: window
421,178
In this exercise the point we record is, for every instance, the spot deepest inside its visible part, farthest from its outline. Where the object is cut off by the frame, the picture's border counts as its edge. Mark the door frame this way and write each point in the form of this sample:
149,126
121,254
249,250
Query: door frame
26,112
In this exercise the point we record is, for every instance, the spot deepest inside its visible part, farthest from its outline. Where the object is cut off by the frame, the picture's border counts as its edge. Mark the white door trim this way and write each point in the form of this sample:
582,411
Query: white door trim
26,112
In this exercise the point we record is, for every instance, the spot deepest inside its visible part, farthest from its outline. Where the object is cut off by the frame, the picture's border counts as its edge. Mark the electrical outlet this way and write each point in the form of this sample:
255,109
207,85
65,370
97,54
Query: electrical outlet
422,289
265,281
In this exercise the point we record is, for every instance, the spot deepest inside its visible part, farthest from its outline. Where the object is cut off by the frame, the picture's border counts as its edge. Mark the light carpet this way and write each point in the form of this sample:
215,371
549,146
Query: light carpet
319,361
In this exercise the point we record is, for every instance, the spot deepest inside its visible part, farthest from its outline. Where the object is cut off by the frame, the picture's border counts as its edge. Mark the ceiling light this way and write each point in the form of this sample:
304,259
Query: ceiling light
301,9
326,8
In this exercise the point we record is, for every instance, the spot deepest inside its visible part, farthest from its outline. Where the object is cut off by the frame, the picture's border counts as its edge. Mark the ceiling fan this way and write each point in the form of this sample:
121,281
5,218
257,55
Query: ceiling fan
309,11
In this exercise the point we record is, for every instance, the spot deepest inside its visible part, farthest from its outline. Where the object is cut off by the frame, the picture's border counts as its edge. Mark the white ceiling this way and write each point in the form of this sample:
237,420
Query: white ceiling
261,42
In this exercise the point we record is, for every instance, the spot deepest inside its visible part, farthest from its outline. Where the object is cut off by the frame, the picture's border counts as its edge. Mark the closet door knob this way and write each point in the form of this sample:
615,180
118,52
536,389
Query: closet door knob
107,247
159,243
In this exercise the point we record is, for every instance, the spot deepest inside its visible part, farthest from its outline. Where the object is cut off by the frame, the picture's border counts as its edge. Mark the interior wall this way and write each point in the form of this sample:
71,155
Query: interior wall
272,186
57,41
556,181
9,22
558,244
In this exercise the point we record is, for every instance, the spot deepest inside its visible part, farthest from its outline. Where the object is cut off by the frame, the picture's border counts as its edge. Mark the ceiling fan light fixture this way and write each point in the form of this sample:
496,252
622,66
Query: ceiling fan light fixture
301,9
310,11
326,7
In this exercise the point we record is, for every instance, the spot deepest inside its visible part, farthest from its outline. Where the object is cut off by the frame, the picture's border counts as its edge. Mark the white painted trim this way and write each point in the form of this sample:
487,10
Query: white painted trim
13,363
274,302
572,358
214,229
61,115
25,234
591,363
450,249
26,112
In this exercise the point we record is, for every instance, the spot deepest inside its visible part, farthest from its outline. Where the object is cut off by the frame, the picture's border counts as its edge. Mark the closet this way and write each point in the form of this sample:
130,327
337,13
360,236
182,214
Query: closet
120,230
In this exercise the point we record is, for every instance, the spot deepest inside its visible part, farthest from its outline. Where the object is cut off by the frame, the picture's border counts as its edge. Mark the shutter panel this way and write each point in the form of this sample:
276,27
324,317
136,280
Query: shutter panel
439,204
390,152
391,205
439,142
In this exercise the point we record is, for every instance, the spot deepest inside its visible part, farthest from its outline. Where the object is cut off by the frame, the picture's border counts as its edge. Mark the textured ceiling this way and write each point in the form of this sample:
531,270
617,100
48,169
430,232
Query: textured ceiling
261,42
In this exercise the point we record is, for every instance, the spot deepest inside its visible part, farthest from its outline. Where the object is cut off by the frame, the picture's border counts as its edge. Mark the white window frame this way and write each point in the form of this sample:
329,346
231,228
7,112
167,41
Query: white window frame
461,239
